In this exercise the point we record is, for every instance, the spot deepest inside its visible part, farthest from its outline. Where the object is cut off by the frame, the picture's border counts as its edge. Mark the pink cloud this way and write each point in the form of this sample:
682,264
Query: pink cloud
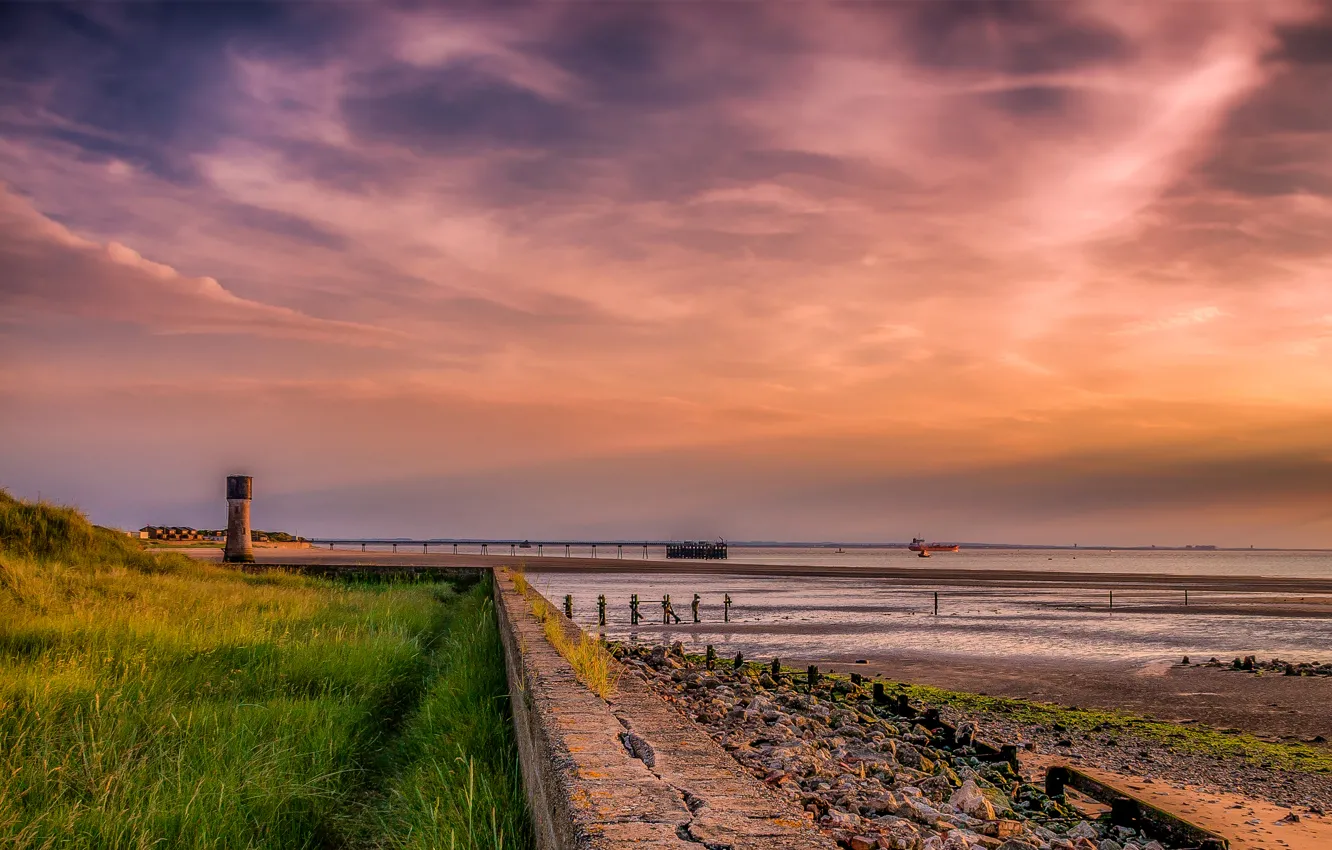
50,270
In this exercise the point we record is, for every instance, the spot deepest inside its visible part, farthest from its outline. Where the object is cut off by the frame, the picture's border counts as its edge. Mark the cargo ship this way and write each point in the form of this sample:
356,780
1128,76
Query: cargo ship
918,544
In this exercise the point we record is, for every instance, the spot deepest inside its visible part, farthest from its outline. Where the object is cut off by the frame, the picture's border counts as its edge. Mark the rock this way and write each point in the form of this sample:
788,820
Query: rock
1015,844
908,755
1109,844
971,802
863,842
919,810
937,788
1082,830
956,840
885,803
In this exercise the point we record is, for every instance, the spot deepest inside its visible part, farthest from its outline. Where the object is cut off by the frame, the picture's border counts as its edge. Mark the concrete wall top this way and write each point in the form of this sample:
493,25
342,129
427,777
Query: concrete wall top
631,772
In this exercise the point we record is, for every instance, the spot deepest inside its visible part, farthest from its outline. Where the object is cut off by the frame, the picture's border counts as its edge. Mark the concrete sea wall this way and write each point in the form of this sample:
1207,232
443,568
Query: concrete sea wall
629,772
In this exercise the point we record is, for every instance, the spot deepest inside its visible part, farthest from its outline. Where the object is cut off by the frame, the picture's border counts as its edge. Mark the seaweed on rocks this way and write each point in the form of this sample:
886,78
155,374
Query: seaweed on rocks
869,777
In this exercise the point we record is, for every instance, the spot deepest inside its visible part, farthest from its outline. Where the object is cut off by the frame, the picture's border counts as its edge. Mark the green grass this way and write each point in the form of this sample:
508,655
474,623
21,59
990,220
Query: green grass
150,701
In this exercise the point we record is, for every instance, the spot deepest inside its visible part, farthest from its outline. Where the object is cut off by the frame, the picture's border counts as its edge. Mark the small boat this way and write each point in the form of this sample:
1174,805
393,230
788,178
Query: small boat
524,545
840,551
923,553
918,544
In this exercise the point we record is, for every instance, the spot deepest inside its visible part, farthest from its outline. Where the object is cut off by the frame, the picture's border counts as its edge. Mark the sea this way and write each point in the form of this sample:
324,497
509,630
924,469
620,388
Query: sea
847,619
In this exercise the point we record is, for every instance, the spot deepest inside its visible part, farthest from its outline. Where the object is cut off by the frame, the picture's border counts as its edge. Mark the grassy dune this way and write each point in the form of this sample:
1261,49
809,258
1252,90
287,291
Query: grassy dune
150,701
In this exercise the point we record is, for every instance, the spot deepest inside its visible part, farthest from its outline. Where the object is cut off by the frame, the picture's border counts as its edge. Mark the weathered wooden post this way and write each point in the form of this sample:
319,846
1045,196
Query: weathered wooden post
601,610
239,549
904,706
633,610
812,676
568,605
739,661
776,669
693,606
710,659
856,679
1112,600
726,608
1186,597
936,603
880,697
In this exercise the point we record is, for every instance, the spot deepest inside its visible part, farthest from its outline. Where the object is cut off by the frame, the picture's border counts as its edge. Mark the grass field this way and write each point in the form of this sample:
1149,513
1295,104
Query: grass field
150,701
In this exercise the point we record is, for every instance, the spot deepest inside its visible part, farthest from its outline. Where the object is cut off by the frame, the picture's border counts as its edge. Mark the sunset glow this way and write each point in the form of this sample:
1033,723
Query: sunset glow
1047,272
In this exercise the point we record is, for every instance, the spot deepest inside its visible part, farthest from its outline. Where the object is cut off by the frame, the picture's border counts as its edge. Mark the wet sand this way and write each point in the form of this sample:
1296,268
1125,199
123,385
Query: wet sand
1277,708
930,572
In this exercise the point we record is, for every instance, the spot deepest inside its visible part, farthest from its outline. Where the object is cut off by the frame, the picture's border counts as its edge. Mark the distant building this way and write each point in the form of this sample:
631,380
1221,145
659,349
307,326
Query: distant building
185,533
169,532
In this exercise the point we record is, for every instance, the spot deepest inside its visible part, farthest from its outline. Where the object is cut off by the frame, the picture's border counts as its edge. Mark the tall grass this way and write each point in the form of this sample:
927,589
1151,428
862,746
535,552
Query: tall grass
151,701
43,532
460,784
592,664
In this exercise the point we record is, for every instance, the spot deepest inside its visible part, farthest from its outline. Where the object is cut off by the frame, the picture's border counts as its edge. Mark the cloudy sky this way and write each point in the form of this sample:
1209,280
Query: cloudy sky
1047,272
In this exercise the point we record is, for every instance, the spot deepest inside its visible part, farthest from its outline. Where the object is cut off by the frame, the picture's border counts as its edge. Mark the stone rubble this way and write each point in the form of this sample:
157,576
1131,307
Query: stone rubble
1272,666
871,779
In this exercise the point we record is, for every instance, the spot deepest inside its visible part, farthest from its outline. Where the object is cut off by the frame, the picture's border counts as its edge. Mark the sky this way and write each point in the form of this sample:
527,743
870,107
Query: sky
1044,272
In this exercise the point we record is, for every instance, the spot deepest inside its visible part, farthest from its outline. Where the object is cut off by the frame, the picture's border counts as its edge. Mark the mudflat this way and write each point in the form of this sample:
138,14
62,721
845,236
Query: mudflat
1278,708
931,574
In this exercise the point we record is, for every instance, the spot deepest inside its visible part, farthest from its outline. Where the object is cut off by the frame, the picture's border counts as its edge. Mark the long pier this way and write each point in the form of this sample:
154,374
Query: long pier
516,547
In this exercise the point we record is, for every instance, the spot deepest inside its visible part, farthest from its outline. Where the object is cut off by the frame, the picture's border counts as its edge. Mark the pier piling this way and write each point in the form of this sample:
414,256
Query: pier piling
568,605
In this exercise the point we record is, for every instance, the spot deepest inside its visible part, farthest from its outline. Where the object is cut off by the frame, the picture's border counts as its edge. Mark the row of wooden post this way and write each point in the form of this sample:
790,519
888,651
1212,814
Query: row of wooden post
668,611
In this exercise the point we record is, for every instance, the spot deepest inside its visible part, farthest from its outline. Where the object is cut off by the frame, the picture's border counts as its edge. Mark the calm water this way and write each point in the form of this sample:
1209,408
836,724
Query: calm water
847,618
1317,564
1242,563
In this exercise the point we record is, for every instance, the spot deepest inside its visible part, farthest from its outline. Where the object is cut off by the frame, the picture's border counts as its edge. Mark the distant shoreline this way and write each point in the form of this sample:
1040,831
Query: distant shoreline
931,574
